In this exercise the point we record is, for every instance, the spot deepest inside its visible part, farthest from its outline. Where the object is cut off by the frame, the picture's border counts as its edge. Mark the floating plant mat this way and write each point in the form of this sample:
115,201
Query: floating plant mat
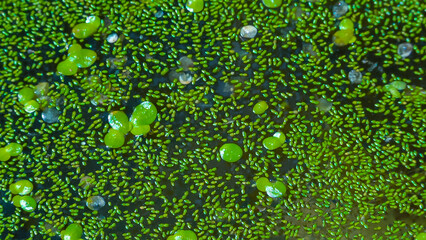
215,119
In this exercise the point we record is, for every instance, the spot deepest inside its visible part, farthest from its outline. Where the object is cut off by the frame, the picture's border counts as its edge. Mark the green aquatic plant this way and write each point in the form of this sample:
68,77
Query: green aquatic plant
74,231
230,152
347,114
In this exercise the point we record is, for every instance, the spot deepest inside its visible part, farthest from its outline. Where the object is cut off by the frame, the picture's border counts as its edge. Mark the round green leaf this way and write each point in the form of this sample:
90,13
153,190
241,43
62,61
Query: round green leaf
114,139
118,120
230,152
14,149
144,114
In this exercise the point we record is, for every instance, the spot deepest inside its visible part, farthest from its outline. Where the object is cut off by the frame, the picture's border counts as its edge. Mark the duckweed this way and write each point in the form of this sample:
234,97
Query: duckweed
87,29
21,187
28,203
4,155
25,95
183,234
114,138
118,120
14,149
140,129
195,5
260,107
230,152
74,231
272,3
144,114
31,106
272,143
352,153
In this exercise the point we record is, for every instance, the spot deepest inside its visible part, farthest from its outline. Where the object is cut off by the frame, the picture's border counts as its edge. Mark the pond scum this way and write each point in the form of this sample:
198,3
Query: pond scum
214,119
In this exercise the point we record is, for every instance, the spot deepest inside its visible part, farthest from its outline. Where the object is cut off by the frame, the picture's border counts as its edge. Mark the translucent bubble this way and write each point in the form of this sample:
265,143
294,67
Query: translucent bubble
50,115
159,14
248,31
186,63
185,78
95,203
112,38
340,9
405,49
41,89
324,105
355,76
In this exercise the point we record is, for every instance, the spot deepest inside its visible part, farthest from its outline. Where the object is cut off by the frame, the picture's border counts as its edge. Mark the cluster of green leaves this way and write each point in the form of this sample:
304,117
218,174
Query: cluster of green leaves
354,170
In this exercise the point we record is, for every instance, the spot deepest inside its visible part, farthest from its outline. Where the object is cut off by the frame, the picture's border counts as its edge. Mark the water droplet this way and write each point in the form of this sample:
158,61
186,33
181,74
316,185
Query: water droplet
186,63
340,9
355,76
95,203
324,105
159,14
185,78
112,38
50,115
405,49
248,31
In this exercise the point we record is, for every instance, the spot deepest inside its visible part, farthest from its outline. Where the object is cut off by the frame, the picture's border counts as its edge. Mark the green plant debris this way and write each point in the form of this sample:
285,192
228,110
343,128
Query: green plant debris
140,119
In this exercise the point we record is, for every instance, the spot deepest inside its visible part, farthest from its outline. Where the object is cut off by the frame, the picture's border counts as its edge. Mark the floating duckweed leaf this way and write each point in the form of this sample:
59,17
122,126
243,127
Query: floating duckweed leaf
118,120
28,203
343,37
67,67
231,152
183,235
87,29
140,129
260,107
272,3
280,136
72,232
25,94
114,138
21,187
195,5
84,58
31,106
271,143
262,183
4,155
276,189
346,24
14,149
144,114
